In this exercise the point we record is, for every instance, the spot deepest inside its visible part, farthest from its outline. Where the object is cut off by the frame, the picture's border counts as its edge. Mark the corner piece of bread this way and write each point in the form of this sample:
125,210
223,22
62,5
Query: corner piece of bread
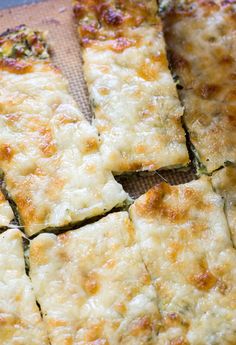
49,153
133,95
201,42
186,246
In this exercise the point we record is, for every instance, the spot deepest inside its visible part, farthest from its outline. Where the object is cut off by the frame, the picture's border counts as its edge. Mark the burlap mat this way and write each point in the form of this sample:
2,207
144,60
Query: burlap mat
55,16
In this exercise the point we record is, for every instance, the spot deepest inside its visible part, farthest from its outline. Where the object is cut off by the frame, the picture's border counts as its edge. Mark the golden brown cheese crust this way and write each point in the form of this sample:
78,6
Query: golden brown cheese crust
201,39
49,153
133,96
93,287
224,182
102,20
186,247
20,319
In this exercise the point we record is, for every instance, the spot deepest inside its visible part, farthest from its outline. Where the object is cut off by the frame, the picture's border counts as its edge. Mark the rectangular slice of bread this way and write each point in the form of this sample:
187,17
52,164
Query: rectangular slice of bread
186,247
20,319
93,287
201,40
133,96
49,153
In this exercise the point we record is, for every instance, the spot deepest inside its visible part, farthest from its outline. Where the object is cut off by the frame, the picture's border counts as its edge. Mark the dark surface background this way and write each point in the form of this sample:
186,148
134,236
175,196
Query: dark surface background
11,3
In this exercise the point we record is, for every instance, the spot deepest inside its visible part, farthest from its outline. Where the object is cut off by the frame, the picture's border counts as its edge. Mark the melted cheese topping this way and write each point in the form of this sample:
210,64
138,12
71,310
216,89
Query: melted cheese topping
93,287
133,96
20,320
201,38
186,247
49,153
6,213
224,182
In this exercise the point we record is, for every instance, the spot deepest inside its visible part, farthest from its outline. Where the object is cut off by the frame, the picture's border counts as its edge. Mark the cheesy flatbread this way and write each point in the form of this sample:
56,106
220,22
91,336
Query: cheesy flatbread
6,213
49,153
93,287
132,93
201,39
186,246
20,320
224,182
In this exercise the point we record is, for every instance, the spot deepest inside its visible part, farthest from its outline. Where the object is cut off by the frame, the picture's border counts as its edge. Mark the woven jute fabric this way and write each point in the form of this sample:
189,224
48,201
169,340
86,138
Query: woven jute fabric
56,17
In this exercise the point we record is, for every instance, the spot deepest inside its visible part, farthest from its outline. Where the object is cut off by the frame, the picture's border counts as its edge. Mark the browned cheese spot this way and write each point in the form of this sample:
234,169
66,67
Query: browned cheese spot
91,283
156,205
95,334
47,144
130,231
173,250
179,341
179,62
87,34
16,66
112,17
36,253
56,323
91,145
203,281
69,341
24,200
226,60
174,319
231,97
121,43
150,70
209,6
2,198
79,10
140,326
6,152
153,198
209,91
26,208
120,308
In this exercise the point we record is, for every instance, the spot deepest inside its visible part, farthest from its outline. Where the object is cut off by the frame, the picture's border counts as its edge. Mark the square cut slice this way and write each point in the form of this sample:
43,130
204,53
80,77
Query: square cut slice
20,319
186,247
133,96
6,213
93,287
224,182
49,153
201,40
